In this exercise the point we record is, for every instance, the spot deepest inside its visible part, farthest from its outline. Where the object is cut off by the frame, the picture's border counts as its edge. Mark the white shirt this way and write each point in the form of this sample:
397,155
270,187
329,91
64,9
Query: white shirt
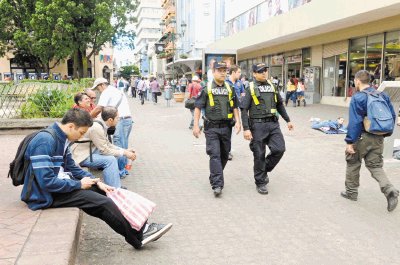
110,97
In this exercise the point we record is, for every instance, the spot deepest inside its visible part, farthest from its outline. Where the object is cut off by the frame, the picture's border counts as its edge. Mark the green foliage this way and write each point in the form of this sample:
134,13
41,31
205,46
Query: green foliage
127,71
29,110
51,30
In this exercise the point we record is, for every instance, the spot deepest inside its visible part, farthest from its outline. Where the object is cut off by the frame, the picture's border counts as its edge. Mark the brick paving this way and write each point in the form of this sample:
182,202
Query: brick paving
302,220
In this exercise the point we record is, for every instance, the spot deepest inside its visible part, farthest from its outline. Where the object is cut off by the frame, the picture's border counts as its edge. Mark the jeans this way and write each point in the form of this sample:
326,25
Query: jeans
154,97
109,164
121,135
95,203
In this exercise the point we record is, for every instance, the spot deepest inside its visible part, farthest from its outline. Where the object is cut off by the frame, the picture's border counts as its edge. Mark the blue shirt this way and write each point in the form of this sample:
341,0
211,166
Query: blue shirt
239,88
46,156
357,112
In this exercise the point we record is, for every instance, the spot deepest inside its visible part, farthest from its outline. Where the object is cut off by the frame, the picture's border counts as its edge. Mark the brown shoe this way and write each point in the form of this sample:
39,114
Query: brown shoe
392,201
344,194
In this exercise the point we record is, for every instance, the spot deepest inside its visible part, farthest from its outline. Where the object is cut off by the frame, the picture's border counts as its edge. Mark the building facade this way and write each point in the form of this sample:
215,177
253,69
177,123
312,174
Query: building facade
195,24
148,15
324,42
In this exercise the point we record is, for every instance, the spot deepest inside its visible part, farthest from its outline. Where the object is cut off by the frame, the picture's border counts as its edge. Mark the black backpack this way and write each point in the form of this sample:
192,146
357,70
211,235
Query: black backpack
19,165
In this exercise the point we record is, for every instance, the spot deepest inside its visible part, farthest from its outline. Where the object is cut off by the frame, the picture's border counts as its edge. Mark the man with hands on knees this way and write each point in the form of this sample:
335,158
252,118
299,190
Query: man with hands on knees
259,109
59,182
221,114
104,154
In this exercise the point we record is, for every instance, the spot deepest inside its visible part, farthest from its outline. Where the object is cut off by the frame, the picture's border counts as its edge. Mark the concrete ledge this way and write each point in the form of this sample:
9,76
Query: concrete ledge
6,124
54,238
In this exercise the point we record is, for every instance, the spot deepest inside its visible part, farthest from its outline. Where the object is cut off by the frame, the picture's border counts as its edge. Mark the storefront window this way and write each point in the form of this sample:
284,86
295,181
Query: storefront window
306,53
334,75
374,57
392,56
356,62
275,67
243,66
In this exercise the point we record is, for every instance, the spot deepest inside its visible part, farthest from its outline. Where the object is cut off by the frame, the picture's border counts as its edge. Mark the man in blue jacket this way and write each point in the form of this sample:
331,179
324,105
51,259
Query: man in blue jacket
59,182
364,145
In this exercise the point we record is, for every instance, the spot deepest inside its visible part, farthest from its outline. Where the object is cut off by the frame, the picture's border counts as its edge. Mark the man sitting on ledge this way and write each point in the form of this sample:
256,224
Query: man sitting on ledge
107,156
59,182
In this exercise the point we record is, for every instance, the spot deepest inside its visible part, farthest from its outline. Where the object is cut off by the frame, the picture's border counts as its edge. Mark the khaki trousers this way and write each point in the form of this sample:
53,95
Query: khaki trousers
370,148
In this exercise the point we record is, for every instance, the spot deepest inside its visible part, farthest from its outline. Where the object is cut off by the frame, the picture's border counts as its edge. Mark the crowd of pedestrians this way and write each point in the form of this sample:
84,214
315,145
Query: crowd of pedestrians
97,136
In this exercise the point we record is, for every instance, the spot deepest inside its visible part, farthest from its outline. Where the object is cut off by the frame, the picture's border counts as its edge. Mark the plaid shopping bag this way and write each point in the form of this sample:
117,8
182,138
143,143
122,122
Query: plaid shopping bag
135,208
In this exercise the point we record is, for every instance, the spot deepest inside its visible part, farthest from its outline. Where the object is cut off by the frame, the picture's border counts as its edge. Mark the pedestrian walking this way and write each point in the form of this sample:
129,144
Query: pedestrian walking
155,89
111,96
221,114
141,88
290,92
183,82
364,145
300,93
259,109
194,90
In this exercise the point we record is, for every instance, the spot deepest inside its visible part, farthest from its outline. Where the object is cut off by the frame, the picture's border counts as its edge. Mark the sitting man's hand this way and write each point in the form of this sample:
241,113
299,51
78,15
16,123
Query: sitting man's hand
129,154
104,187
87,182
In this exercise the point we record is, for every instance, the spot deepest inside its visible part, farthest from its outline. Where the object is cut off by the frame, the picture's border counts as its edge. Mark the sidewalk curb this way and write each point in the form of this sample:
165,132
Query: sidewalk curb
7,124
54,238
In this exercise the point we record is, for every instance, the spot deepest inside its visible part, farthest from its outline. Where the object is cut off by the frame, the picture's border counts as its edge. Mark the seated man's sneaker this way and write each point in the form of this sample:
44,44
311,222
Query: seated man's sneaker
392,200
344,194
217,191
154,232
230,156
262,189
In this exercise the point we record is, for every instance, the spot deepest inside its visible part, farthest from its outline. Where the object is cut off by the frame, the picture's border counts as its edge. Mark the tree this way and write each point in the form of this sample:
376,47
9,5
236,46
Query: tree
52,30
39,30
127,71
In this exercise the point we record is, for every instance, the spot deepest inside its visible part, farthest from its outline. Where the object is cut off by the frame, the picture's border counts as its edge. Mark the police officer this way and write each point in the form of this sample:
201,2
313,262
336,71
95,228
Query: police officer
259,109
221,112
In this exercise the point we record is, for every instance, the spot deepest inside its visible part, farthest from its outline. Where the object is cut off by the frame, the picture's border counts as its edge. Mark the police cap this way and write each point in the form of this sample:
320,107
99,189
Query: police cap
259,66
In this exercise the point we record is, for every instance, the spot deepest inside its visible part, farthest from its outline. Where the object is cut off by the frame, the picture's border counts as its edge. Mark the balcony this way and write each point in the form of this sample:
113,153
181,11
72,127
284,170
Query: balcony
167,3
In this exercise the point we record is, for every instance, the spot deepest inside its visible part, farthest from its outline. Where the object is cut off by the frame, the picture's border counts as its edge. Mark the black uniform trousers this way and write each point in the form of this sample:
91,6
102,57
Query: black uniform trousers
95,203
266,134
218,146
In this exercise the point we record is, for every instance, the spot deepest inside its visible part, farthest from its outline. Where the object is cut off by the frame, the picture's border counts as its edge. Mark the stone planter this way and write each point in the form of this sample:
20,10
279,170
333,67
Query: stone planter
179,97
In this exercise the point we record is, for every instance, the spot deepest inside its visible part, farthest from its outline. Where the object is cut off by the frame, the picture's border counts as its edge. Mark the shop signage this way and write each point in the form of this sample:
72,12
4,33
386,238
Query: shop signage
293,59
277,59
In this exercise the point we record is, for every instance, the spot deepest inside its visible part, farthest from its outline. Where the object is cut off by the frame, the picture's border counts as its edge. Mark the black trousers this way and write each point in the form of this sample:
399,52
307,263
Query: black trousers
133,92
95,203
266,134
218,146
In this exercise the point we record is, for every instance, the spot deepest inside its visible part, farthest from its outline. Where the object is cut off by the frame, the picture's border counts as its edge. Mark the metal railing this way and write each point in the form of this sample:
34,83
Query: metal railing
36,100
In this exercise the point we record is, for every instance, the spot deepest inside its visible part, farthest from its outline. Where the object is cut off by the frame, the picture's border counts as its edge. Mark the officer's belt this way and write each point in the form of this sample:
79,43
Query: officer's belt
218,124
268,119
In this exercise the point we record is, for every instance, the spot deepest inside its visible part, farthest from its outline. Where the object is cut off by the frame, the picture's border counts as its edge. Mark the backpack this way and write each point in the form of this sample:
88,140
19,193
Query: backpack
19,165
379,119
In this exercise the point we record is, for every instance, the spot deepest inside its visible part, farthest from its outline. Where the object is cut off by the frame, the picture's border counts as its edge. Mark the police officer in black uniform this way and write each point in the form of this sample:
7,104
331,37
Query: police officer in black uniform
221,114
259,109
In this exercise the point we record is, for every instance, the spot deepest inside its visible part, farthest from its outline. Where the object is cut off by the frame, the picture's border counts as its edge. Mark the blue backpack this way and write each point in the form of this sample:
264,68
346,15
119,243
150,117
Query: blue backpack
379,118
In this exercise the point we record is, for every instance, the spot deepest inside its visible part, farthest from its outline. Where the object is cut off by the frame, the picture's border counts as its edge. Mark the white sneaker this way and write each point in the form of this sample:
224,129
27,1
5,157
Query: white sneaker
154,232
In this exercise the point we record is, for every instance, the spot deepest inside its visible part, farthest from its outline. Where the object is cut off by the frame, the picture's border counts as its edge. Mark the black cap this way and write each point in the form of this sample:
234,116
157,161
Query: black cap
259,66
221,64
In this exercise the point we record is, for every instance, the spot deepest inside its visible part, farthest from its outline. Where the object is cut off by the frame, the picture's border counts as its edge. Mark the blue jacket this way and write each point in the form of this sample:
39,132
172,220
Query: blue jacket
357,112
45,165
239,88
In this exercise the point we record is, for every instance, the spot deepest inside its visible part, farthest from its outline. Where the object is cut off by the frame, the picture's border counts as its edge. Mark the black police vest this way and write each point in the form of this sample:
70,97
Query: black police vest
219,105
264,101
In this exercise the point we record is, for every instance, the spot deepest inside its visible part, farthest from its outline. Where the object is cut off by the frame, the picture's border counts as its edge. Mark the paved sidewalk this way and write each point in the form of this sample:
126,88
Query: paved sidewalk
32,237
302,220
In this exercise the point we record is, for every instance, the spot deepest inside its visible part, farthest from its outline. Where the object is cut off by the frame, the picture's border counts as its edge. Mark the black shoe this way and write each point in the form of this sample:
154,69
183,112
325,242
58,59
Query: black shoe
217,191
230,156
123,187
154,232
392,201
262,189
344,194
